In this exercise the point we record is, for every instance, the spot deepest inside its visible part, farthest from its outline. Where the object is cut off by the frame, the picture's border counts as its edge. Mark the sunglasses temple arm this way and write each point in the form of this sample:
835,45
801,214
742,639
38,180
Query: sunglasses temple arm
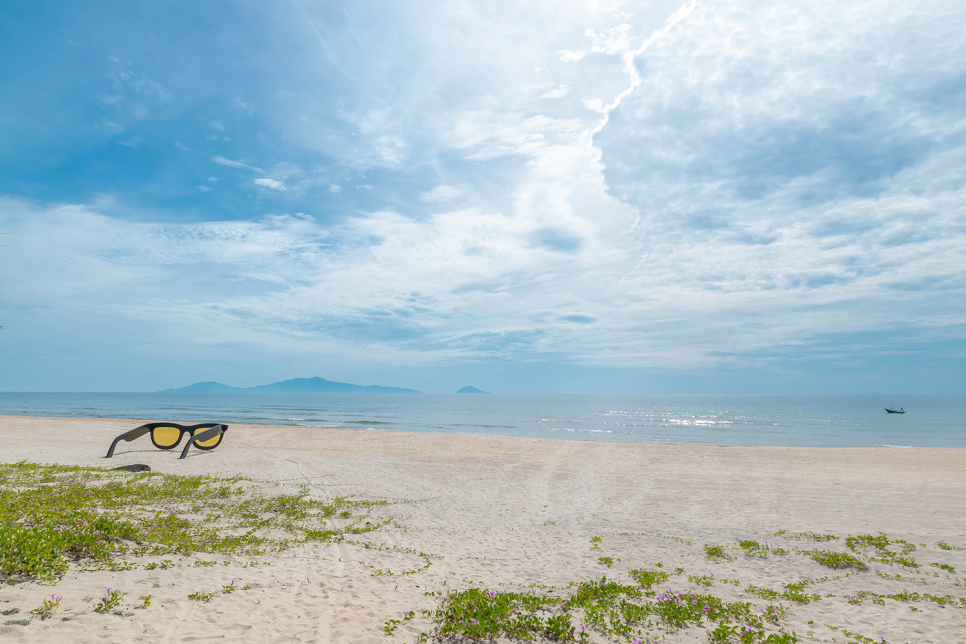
203,436
128,436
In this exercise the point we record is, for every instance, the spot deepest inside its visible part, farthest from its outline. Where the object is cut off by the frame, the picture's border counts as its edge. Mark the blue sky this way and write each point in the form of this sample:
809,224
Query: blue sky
736,197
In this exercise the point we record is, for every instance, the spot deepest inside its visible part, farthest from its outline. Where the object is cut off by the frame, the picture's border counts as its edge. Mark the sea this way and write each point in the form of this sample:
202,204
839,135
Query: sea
808,421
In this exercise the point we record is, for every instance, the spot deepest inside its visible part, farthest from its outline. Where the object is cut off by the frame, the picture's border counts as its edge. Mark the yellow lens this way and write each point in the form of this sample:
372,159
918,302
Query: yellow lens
166,436
211,442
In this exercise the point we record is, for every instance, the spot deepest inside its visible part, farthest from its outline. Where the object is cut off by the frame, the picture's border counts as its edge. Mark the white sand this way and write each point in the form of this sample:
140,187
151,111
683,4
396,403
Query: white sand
515,511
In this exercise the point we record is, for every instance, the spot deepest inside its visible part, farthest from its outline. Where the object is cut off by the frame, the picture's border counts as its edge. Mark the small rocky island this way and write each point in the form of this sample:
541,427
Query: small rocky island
471,390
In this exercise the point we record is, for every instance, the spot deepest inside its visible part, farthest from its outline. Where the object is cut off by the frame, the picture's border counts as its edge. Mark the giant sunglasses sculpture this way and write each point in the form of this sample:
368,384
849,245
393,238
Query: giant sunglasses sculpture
204,436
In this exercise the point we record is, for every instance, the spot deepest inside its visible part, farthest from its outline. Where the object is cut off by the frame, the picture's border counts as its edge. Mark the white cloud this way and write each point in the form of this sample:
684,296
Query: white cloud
270,183
559,92
220,160
442,194
335,188
204,188
242,105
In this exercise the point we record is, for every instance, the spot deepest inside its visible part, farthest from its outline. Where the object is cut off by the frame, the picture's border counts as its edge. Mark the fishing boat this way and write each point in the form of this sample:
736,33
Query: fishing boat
895,411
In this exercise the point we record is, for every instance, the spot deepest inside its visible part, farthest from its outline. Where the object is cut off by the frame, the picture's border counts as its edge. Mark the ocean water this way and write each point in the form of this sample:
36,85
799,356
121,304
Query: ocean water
817,421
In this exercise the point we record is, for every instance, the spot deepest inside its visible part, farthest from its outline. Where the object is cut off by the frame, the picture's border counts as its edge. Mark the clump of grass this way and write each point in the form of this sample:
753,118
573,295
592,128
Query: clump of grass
201,596
833,559
648,578
17,622
716,552
755,549
48,607
881,543
485,614
805,536
794,592
51,515
607,608
110,601
607,561
945,567
942,545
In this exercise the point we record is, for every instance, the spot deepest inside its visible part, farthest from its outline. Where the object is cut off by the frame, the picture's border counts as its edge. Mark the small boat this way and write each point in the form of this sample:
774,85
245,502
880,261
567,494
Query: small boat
895,411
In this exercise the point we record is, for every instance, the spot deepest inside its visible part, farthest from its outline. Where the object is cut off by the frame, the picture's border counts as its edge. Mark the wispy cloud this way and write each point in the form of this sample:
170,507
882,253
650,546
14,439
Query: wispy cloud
442,194
270,183
220,160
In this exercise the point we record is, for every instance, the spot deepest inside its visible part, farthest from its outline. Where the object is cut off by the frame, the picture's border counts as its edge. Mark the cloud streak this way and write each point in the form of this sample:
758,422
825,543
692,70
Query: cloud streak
228,163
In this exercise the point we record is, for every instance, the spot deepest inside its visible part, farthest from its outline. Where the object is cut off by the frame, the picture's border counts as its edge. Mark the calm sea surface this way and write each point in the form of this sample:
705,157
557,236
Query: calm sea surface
821,421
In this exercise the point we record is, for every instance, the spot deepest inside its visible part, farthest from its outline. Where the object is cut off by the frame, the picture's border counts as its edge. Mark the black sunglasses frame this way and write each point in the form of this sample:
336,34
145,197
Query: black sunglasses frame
211,431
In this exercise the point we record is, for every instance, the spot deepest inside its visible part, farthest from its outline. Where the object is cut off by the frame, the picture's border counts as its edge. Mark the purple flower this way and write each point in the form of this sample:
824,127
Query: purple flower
695,602
492,594
583,627
707,608
473,621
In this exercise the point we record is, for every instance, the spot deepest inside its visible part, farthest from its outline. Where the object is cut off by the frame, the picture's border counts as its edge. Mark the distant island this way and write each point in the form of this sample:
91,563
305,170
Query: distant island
471,390
294,386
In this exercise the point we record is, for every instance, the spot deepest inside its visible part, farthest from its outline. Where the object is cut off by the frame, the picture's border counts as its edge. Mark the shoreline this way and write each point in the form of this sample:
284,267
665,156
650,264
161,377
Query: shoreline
504,511
118,422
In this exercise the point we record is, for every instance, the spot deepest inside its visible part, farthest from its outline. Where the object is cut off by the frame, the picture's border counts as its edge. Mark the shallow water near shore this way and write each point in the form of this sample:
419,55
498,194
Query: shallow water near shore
813,421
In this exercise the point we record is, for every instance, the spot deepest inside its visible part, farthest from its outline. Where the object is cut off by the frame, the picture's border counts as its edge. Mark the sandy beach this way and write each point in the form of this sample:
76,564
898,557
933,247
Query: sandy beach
497,513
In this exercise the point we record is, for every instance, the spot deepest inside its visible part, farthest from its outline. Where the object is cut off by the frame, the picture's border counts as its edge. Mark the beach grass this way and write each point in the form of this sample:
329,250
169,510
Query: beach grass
53,515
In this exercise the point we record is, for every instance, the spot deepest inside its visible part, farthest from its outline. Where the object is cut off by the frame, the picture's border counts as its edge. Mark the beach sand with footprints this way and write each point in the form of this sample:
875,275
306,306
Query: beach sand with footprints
732,525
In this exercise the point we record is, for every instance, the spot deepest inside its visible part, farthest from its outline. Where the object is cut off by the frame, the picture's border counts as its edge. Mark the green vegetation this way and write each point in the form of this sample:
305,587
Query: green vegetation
110,601
834,559
51,515
48,607
805,536
607,608
716,552
763,550
648,578
881,543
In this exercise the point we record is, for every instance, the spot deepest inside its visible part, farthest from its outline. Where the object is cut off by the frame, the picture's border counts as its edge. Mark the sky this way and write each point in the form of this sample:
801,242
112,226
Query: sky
528,196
